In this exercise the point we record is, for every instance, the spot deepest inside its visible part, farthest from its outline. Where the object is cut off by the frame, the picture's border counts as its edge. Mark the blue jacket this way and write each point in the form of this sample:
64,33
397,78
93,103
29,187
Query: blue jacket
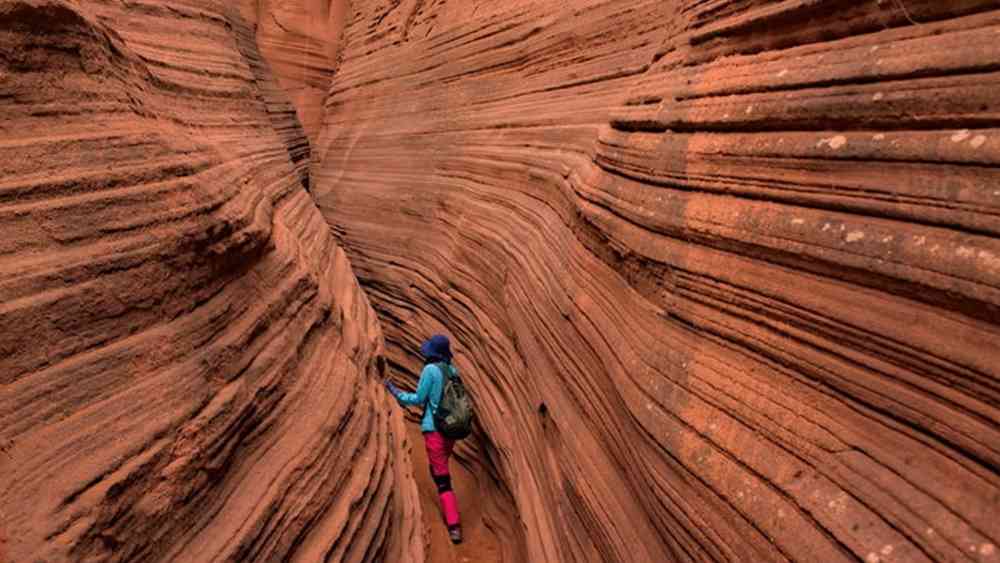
428,394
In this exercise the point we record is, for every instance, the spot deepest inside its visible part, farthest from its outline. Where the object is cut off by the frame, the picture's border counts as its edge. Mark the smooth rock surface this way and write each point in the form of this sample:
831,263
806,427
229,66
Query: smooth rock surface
301,41
724,276
188,366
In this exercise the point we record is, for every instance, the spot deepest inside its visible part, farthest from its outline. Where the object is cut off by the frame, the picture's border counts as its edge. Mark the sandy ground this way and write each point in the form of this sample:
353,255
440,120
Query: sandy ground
480,545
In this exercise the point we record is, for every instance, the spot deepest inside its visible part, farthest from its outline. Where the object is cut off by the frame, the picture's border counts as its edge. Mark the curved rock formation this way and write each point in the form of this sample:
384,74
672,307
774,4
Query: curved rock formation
725,275
301,40
185,356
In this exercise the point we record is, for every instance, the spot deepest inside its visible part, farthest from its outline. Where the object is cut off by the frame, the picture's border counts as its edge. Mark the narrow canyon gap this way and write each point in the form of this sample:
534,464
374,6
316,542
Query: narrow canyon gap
722,276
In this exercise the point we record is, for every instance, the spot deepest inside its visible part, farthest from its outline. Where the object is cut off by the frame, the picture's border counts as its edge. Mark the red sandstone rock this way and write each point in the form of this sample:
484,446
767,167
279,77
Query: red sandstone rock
186,360
722,275
301,41
745,254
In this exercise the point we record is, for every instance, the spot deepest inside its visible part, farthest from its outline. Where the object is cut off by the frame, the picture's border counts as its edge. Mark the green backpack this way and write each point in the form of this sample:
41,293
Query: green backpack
453,416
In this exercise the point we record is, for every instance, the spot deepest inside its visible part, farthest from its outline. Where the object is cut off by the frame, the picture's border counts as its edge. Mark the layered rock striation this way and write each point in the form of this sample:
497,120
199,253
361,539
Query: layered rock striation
301,41
724,275
187,362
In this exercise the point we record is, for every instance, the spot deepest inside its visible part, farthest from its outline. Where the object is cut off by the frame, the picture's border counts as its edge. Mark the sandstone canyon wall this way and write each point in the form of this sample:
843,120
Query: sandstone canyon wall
724,274
186,359
301,41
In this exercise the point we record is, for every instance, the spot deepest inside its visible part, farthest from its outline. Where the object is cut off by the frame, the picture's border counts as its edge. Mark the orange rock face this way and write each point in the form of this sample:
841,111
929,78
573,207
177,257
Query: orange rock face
724,276
301,41
187,362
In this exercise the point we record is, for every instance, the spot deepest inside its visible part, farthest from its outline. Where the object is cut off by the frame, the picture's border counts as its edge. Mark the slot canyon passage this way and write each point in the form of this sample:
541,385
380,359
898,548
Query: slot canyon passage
723,277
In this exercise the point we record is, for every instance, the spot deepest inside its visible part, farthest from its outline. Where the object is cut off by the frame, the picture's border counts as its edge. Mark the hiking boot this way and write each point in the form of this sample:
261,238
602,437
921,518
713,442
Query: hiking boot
456,535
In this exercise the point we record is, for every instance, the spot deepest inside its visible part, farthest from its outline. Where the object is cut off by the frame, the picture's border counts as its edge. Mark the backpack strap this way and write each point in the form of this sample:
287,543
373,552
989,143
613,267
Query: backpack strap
446,371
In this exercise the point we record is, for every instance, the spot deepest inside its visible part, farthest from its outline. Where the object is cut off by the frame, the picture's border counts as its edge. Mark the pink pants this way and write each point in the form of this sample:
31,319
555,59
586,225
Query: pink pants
438,452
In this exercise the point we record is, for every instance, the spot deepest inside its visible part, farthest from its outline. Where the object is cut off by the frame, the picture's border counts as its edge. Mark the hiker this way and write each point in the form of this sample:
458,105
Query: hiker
440,433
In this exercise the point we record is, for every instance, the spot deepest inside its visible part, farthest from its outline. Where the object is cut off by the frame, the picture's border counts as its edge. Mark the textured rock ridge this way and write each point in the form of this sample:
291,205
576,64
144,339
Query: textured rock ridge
186,359
301,41
725,275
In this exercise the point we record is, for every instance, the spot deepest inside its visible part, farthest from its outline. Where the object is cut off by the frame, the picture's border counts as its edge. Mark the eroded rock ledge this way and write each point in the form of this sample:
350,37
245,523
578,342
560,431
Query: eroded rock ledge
725,274
185,356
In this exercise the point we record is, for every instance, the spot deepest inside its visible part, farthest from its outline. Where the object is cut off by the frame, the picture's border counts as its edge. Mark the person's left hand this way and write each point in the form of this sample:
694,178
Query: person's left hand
392,388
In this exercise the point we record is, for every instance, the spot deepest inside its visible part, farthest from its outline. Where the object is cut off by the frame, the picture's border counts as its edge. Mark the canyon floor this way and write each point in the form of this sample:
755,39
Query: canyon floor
480,543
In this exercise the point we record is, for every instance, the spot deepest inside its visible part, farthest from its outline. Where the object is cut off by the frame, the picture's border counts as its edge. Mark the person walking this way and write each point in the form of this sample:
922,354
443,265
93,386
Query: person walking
437,357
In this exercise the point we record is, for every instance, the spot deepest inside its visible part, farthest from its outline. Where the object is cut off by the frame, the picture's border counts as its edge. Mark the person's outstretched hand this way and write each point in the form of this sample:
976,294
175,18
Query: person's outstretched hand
392,388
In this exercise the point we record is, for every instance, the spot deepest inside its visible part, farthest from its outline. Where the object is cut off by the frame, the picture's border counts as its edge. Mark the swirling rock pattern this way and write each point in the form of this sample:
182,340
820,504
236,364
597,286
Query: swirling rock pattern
301,41
185,356
725,274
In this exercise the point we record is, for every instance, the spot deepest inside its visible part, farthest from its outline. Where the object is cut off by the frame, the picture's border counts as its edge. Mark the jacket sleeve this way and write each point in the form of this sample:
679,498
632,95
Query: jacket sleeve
423,389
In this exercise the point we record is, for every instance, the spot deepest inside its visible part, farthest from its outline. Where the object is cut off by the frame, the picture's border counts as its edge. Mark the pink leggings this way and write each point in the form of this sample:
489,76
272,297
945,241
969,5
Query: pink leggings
438,452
